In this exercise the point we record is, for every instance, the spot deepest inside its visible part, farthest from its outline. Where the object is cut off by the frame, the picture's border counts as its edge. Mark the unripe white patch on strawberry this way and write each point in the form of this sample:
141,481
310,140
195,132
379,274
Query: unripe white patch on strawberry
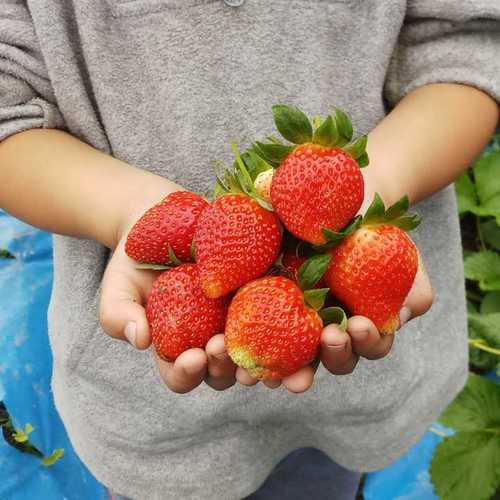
263,183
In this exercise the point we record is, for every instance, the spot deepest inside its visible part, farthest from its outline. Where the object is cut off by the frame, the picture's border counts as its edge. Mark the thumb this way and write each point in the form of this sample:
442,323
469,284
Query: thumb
120,312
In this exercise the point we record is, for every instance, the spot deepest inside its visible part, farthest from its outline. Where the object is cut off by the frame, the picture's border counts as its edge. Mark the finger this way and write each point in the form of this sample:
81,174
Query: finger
244,378
221,369
300,381
186,372
121,314
336,351
419,299
366,339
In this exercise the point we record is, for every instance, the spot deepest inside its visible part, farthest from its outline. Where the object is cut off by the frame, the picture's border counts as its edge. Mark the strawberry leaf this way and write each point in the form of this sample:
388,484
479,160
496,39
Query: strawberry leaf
483,267
5,254
274,154
491,233
335,316
358,147
467,464
312,270
487,181
344,127
363,160
333,238
316,298
466,194
53,457
375,212
326,134
490,303
394,215
254,163
292,124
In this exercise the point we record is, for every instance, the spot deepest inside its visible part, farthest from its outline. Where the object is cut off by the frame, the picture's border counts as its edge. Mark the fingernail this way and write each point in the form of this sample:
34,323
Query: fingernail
337,348
131,332
360,335
221,356
404,315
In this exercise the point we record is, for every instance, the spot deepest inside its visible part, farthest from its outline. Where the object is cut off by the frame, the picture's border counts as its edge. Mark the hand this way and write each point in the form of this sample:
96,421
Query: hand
124,294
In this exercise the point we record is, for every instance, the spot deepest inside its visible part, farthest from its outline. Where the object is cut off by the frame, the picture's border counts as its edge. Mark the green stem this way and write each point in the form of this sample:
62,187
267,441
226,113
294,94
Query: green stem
480,344
474,296
480,233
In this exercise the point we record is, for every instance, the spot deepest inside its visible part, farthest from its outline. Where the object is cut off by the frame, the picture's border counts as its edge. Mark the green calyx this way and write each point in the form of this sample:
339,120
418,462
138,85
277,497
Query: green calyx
241,176
395,215
335,131
310,273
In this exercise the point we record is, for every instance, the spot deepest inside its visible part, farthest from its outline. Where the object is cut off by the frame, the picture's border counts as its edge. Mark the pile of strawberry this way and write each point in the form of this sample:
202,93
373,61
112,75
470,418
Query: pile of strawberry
272,258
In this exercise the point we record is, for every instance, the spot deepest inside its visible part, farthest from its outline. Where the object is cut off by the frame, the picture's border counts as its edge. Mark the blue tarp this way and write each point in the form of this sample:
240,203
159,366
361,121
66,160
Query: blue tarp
25,368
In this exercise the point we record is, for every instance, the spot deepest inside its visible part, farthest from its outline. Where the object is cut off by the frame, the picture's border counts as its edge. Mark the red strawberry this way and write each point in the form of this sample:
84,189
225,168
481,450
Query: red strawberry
317,185
170,223
270,330
180,316
373,269
315,188
236,241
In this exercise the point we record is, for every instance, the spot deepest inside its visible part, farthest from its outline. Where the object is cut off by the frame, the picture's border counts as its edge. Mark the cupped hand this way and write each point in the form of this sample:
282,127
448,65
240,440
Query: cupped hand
122,314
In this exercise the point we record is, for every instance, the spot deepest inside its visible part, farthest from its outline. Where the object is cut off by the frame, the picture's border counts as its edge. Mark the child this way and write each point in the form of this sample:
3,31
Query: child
145,94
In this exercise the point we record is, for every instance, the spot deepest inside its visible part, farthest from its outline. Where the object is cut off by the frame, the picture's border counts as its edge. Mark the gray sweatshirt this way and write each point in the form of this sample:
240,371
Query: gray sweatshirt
163,85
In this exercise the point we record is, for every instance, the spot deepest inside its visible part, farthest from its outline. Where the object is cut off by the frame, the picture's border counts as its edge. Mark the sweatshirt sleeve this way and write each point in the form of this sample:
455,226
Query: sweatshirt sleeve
453,41
26,97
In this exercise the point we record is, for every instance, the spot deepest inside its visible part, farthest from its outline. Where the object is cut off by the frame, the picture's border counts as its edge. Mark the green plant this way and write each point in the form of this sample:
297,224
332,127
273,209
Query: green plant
19,439
478,198
5,254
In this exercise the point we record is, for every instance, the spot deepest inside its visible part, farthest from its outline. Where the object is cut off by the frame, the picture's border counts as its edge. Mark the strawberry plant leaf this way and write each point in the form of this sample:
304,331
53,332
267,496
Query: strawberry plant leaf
466,466
326,134
274,154
292,124
407,222
476,408
312,270
316,298
479,357
344,127
466,194
53,457
335,316
375,212
5,254
491,233
487,180
490,303
333,238
358,147
363,160
487,327
255,164
398,209
483,267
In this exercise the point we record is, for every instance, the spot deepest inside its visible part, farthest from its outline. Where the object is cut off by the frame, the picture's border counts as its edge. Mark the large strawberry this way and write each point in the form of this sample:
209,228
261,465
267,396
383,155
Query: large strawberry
318,184
270,331
274,325
236,240
165,232
373,269
180,316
